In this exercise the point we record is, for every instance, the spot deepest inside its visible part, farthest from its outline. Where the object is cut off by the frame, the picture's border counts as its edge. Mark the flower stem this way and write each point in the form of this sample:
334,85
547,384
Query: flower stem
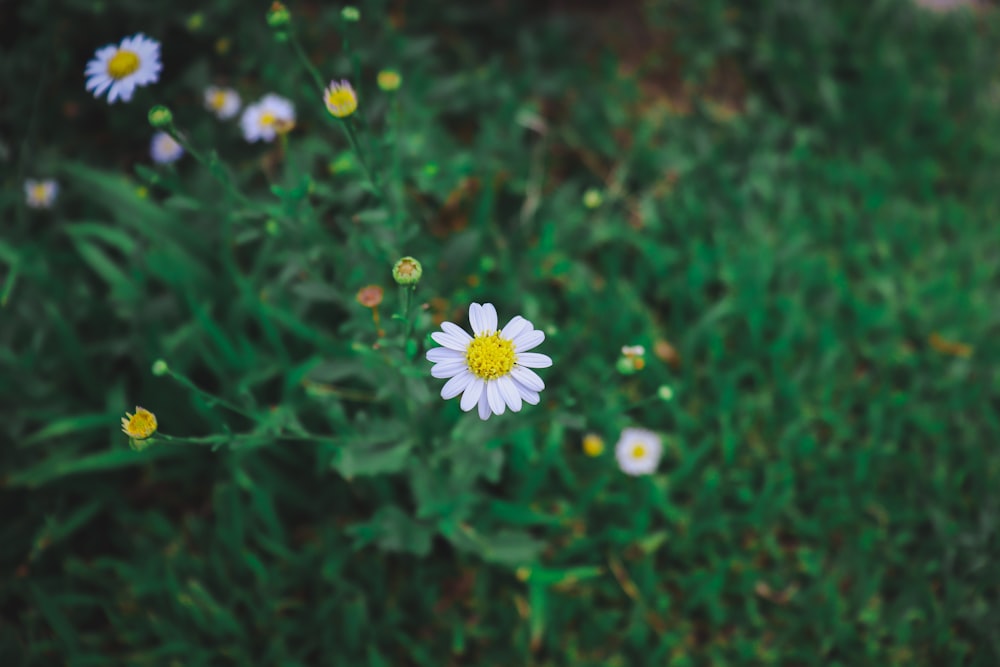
301,53
214,165
212,397
352,137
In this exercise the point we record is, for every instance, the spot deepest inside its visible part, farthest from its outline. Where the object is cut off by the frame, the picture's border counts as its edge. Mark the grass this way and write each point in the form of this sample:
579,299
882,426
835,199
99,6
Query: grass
796,220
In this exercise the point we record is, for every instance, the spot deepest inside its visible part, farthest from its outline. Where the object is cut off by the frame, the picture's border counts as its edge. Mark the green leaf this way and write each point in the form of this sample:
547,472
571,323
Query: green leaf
393,530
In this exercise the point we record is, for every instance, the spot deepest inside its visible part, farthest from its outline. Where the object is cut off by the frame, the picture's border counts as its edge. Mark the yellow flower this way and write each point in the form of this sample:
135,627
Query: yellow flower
593,444
340,99
139,426
389,80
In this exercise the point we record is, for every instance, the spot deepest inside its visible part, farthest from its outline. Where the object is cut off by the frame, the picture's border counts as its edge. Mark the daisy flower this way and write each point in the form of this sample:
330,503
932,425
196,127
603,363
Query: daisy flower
120,69
40,194
223,102
139,426
164,149
492,370
638,451
268,117
341,100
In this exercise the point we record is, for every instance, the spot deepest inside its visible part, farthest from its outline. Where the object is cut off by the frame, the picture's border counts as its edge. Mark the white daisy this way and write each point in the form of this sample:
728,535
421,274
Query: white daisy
638,451
164,149
40,194
223,102
492,370
119,69
267,117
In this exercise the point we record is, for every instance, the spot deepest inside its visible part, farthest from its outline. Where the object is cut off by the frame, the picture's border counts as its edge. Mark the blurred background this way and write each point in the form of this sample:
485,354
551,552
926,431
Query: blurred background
792,206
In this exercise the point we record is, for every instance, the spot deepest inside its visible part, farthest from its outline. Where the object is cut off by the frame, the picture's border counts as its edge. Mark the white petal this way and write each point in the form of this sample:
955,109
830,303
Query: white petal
509,393
476,319
456,331
456,385
516,325
438,354
449,341
472,393
528,378
448,369
534,360
529,396
494,398
489,318
484,406
527,340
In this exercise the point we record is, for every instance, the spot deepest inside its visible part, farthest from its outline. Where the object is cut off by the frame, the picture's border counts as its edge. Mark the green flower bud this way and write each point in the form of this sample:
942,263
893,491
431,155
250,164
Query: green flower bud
407,271
592,198
350,14
278,16
160,368
160,117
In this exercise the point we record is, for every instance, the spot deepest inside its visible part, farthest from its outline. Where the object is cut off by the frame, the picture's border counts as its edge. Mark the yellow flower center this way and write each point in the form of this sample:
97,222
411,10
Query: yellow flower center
39,192
218,99
341,102
267,119
122,64
141,425
638,450
490,357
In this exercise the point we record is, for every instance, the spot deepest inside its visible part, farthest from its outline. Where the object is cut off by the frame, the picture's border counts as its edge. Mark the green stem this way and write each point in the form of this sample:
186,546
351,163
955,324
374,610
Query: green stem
213,165
301,53
212,397
8,285
216,439
352,137
407,302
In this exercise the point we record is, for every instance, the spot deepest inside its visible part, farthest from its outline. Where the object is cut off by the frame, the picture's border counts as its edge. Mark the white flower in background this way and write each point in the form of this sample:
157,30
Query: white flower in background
40,194
223,102
267,118
492,370
164,149
120,69
638,451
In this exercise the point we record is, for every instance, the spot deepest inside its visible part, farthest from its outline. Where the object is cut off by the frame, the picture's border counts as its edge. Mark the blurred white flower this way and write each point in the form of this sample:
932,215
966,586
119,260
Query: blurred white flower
492,370
638,451
265,119
40,194
223,102
120,69
164,149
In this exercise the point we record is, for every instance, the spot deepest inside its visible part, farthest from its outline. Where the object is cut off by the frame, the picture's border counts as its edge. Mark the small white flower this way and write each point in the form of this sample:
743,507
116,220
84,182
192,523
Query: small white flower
266,118
492,370
223,102
120,69
638,451
40,194
633,350
164,149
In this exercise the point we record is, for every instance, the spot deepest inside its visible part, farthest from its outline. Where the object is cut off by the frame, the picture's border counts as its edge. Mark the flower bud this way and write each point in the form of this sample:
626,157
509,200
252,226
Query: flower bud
407,271
160,117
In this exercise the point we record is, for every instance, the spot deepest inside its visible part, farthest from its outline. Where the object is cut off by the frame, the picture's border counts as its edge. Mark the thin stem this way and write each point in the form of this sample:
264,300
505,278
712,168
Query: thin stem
352,137
213,165
212,397
301,53
8,285
407,303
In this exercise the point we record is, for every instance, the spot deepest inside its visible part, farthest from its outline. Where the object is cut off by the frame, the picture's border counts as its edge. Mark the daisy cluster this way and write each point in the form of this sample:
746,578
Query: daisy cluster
492,369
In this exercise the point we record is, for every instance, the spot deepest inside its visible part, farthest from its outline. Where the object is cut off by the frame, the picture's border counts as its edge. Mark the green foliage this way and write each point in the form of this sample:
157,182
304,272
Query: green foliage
813,276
